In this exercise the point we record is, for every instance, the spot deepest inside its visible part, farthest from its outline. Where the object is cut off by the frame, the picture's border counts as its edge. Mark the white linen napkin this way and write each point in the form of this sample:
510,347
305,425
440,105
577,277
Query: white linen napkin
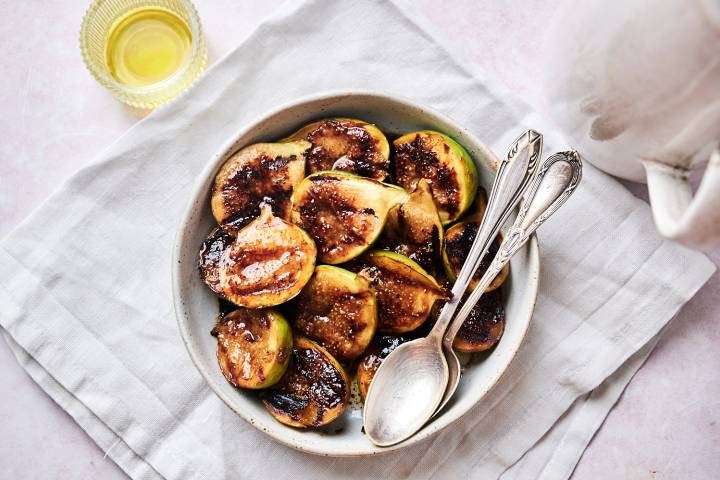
86,303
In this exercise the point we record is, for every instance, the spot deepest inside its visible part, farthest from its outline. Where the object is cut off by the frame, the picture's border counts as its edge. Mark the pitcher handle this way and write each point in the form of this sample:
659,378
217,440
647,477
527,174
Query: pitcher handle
694,222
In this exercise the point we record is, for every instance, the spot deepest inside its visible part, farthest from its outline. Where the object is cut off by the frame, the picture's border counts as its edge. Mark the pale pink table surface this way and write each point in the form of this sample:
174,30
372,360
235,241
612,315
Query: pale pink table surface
55,118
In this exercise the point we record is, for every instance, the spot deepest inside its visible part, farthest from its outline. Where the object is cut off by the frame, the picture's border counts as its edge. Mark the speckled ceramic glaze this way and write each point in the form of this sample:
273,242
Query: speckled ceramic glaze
196,306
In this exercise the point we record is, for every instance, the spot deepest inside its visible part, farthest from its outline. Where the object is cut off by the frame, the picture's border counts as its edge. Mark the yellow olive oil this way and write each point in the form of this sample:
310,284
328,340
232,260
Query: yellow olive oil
146,46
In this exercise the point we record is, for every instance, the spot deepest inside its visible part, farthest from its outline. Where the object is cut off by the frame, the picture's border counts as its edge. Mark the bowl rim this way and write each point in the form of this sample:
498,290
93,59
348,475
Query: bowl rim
437,424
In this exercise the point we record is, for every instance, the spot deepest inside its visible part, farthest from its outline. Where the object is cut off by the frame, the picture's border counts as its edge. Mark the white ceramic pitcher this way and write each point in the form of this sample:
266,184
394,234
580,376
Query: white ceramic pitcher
636,84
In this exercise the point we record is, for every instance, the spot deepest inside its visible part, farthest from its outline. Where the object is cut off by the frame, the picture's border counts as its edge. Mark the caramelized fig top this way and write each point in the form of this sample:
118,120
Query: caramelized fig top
314,391
253,347
213,248
342,212
346,144
269,263
443,161
338,309
260,173
414,228
406,293
458,241
485,325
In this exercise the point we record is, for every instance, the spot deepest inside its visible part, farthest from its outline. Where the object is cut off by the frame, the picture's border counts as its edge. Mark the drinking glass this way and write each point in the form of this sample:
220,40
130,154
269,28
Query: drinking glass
102,17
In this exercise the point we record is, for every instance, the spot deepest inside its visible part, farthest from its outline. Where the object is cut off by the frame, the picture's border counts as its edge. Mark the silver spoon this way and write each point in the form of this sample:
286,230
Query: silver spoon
556,180
409,385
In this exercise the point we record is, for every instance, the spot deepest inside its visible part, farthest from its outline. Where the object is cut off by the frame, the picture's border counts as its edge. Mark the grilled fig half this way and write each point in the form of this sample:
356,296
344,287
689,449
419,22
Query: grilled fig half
253,347
213,248
485,325
346,144
337,308
405,292
314,391
269,263
264,172
380,348
443,161
458,241
414,228
342,212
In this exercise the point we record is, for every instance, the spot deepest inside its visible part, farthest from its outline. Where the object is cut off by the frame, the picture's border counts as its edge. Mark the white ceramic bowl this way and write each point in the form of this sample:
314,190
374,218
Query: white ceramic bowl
196,307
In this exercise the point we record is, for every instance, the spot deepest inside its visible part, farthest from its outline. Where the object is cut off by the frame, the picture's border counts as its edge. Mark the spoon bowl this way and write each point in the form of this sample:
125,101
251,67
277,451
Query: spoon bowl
418,369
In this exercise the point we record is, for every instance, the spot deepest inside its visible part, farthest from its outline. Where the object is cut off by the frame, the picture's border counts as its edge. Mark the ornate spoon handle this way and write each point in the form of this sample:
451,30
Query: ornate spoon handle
511,182
556,180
